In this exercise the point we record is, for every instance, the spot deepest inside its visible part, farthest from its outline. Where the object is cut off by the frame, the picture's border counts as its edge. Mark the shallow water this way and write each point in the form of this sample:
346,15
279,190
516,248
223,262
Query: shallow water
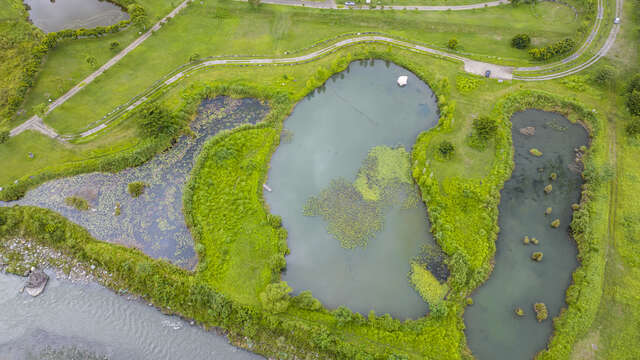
56,15
71,321
493,330
153,222
332,133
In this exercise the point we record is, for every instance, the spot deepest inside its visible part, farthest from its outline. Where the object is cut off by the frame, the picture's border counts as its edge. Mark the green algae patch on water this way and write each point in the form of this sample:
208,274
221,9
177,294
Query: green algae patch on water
354,212
431,290
535,152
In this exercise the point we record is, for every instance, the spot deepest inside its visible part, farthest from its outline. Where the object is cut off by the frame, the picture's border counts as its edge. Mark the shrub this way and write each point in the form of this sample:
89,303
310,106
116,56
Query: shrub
452,44
575,206
633,102
466,84
555,223
469,301
343,315
446,149
136,188
484,128
535,152
521,41
305,300
604,75
114,45
541,311
194,57
77,202
556,49
137,13
439,310
633,127
634,84
275,298
537,256
4,136
156,120
91,60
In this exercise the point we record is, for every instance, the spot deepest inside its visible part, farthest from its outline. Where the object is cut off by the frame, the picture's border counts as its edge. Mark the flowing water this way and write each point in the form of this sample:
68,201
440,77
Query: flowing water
71,321
56,15
154,221
328,136
493,330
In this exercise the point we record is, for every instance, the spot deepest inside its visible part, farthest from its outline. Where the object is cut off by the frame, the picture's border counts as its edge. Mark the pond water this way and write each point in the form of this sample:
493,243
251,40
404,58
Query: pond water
56,15
153,222
328,137
71,321
493,330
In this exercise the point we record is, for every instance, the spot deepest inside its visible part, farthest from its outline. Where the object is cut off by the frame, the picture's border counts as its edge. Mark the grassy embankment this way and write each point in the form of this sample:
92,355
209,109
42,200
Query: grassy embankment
231,28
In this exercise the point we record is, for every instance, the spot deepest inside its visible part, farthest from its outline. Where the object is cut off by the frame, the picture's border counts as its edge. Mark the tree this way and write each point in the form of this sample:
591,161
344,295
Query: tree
634,84
604,75
114,45
4,136
452,44
137,13
343,315
446,149
633,102
275,298
157,120
632,128
91,60
521,41
305,300
484,127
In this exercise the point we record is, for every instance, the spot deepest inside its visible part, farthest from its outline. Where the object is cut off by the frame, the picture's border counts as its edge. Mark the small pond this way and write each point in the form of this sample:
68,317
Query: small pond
153,222
493,330
324,157
89,322
56,15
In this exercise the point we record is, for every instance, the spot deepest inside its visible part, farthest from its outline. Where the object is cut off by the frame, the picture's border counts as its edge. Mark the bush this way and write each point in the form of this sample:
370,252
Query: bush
275,298
452,44
114,45
343,315
633,127
556,49
541,311
604,75
521,41
446,149
439,310
633,102
305,300
156,120
4,136
136,188
484,128
77,202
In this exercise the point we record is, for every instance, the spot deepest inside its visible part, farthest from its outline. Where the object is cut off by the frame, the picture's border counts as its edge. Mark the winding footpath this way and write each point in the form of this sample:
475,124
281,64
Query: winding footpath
330,4
540,73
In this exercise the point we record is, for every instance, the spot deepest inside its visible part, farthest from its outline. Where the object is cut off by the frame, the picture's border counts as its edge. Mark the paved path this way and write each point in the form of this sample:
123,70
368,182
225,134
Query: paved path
329,4
35,123
470,66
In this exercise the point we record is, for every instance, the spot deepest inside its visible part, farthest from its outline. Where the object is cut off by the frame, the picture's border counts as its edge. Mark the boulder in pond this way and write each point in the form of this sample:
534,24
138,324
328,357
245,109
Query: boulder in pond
529,131
36,282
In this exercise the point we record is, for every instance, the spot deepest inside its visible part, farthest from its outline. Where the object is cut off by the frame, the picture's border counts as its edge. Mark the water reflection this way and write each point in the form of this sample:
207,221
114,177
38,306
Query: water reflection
58,15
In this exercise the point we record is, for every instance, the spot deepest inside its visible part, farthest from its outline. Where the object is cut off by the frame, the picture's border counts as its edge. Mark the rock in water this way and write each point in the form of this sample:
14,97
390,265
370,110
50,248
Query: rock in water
402,80
529,131
36,282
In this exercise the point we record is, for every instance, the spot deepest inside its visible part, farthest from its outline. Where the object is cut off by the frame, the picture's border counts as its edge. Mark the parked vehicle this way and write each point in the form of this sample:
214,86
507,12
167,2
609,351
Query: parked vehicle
487,73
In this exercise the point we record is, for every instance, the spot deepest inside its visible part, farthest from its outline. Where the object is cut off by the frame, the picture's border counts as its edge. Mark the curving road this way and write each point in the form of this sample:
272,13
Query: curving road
470,66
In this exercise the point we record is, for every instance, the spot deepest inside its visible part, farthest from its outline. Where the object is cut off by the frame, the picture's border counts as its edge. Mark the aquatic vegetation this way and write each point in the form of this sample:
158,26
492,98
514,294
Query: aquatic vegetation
355,212
541,311
575,207
548,189
534,241
136,188
555,223
469,301
77,202
537,256
519,311
535,152
553,176
526,240
548,211
117,210
431,290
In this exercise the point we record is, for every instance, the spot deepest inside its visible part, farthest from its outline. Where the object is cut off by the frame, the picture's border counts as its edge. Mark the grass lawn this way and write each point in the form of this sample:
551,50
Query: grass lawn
232,28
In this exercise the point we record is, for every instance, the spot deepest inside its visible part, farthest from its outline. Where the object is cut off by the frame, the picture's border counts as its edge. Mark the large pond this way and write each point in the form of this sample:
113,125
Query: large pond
494,331
56,15
328,143
153,222
70,321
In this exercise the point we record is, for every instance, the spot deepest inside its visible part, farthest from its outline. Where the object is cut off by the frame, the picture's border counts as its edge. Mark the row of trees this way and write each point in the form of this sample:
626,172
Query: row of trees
561,47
